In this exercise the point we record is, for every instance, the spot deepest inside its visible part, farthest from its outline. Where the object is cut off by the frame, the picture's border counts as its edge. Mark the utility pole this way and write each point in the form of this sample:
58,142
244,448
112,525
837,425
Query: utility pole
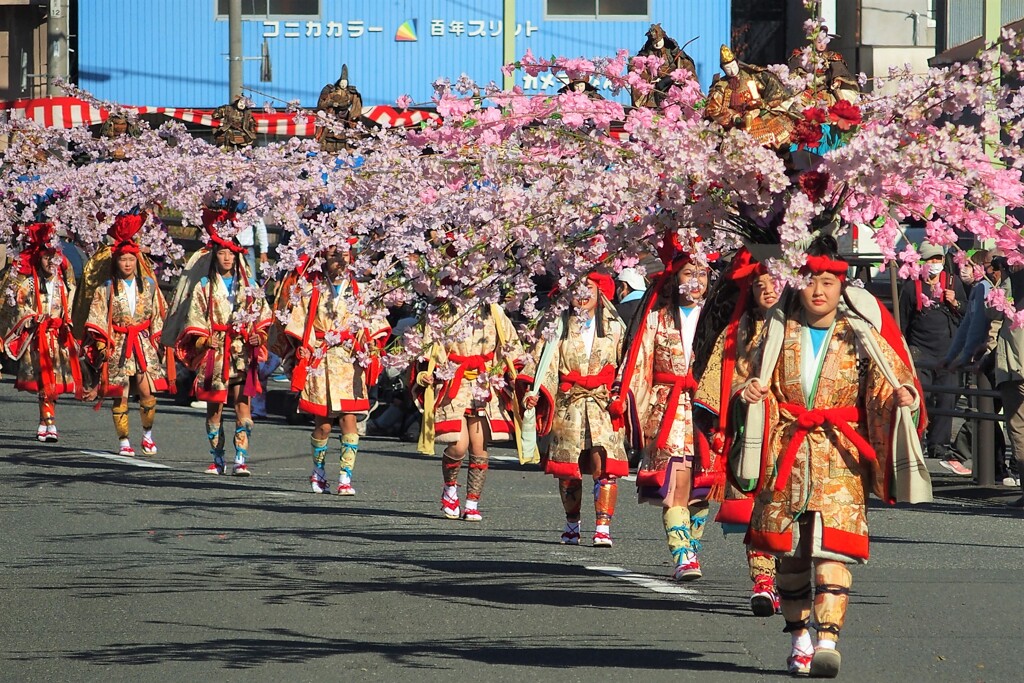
234,49
57,63
508,53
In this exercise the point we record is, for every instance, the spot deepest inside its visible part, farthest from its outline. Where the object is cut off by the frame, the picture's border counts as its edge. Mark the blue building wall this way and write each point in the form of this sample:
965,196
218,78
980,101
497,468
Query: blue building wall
174,52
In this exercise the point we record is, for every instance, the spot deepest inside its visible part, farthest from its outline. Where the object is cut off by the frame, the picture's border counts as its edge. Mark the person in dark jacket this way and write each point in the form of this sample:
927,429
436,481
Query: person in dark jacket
931,308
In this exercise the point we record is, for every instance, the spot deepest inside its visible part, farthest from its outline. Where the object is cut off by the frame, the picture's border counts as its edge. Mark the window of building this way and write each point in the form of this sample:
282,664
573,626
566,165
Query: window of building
597,9
259,9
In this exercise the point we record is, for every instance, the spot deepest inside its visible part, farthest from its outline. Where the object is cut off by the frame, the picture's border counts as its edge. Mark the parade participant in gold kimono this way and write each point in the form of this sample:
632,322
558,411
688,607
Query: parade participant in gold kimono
35,325
832,403
224,339
469,412
750,98
757,293
123,329
657,375
333,385
587,352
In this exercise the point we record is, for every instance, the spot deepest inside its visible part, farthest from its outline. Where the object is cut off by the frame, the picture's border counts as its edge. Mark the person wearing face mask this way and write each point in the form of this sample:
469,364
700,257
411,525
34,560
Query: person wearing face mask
579,376
750,98
931,309
656,382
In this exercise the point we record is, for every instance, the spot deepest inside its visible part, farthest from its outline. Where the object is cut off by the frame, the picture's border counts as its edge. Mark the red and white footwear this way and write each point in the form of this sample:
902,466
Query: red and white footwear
471,513
240,469
825,662
764,601
51,433
689,570
345,484
126,450
602,536
799,663
41,433
571,534
318,481
148,446
217,466
450,502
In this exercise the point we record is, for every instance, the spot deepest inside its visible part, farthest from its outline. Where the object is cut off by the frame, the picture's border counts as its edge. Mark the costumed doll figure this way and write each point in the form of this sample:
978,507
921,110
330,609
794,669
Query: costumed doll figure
750,98
832,80
832,407
333,385
123,328
657,374
468,412
673,58
35,325
224,339
756,294
237,125
579,375
341,100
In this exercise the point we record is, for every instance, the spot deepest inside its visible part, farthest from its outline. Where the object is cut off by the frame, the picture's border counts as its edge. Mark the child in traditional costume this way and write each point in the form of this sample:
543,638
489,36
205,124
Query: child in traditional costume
754,291
832,400
657,375
468,412
35,324
122,331
333,384
224,339
578,372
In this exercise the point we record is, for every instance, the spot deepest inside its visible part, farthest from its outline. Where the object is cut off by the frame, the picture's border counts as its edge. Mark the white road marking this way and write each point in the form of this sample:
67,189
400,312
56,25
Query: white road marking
645,581
135,462
280,493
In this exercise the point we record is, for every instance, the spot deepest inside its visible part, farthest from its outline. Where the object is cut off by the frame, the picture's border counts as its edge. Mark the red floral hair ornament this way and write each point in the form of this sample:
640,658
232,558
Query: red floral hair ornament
126,226
211,219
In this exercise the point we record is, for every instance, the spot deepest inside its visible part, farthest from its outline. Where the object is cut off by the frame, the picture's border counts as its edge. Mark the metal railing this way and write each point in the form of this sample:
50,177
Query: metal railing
983,419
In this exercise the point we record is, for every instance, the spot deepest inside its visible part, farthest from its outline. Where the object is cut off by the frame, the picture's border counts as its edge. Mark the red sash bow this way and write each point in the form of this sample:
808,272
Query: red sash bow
604,378
679,384
467,363
132,343
807,420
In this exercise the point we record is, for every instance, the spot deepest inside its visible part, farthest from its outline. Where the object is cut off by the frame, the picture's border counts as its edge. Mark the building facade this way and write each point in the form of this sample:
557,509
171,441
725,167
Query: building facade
175,53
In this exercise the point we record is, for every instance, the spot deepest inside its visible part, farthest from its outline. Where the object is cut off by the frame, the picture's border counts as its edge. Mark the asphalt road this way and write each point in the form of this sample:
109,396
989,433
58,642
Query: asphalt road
113,571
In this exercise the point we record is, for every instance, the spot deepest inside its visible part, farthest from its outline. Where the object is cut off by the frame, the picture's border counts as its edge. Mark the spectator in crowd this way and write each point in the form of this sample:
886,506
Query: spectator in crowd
630,287
1009,370
975,340
931,308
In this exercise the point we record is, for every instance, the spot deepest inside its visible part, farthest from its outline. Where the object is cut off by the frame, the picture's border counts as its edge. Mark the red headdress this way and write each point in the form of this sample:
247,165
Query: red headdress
816,265
38,238
126,226
211,219
604,283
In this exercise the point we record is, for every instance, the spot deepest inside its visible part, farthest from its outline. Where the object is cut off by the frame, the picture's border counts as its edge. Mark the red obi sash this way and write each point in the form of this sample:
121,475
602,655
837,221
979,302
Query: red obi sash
476,364
132,343
604,378
807,420
679,384
52,334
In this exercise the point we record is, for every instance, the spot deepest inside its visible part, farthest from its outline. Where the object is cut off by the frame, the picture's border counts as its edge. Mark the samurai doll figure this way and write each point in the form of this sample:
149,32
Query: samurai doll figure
578,371
329,376
237,125
342,101
657,377
472,381
832,414
224,339
36,327
750,98
123,328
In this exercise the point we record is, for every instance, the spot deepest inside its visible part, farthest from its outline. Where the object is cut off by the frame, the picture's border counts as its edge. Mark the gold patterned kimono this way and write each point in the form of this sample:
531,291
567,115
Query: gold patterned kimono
332,381
826,449
712,397
751,101
474,357
211,314
581,387
662,387
132,336
37,332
